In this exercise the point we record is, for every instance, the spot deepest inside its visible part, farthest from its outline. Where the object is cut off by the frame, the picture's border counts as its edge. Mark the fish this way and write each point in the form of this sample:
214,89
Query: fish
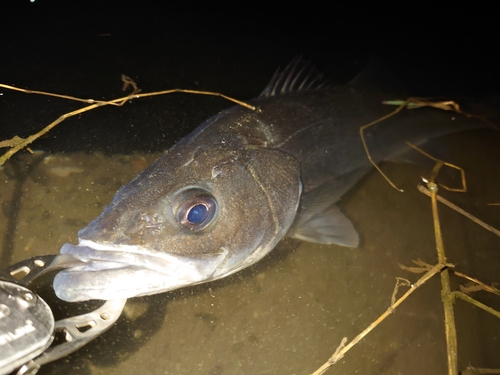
225,195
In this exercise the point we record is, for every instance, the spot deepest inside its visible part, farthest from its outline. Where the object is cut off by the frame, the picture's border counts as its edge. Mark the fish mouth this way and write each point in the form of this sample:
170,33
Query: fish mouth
116,272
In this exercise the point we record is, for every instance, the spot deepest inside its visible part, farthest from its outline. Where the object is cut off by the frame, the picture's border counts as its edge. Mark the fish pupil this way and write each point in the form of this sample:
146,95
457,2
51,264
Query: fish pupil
197,214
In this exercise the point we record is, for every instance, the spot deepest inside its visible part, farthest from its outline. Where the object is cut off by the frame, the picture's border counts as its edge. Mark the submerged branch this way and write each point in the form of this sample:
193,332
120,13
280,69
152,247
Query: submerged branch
446,296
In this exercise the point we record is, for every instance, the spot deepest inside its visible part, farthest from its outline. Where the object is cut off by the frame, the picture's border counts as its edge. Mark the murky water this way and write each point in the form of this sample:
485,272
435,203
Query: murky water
288,313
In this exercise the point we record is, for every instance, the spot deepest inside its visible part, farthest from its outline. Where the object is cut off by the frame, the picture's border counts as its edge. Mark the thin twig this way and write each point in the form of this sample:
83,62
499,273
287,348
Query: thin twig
422,266
476,303
362,130
340,353
33,137
439,164
117,102
480,283
414,103
446,105
422,189
74,98
400,281
480,371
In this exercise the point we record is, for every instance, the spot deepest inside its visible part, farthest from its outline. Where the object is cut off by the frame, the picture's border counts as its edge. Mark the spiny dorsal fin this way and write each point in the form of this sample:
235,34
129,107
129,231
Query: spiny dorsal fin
299,75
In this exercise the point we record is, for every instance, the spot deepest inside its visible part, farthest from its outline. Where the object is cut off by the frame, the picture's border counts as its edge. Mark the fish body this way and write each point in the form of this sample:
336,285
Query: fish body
225,195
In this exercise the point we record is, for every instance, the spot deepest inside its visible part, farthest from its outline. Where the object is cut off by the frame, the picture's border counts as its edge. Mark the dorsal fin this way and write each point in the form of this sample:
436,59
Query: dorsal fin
298,75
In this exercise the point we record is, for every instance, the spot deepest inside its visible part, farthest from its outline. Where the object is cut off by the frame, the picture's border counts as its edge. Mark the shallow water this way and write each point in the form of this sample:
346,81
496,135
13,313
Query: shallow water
288,313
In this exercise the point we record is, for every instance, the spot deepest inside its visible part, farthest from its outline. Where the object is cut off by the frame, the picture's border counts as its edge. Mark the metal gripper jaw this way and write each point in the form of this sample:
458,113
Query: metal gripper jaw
27,325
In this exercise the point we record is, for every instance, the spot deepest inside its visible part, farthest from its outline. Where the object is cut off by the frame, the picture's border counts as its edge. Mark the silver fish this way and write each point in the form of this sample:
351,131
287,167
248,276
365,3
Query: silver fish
225,195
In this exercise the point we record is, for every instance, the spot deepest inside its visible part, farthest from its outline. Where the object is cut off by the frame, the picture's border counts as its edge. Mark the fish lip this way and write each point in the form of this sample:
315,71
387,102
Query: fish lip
98,256
113,272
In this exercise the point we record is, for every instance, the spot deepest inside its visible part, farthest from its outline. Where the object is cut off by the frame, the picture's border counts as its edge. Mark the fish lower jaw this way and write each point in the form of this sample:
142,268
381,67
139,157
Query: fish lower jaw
75,285
124,272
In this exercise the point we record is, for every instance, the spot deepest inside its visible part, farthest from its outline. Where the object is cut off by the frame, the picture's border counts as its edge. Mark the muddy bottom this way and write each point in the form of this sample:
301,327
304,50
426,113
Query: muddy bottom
288,313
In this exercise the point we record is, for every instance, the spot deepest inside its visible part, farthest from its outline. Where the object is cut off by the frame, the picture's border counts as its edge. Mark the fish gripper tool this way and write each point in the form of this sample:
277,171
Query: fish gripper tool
27,324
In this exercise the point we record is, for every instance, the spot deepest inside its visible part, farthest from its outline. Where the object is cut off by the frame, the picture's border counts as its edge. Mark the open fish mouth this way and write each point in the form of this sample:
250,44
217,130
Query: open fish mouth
116,272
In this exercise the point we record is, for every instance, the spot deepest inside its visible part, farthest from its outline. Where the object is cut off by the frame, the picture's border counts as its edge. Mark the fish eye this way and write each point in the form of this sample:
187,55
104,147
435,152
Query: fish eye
196,208
197,214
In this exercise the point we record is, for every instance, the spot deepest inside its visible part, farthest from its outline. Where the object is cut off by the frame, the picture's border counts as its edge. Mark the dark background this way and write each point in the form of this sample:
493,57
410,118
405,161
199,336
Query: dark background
81,48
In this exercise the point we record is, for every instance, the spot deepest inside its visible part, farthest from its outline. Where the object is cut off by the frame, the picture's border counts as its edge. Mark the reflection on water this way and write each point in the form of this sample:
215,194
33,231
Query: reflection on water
288,313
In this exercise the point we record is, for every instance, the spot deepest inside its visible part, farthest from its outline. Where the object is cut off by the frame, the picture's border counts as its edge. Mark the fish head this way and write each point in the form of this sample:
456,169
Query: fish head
202,211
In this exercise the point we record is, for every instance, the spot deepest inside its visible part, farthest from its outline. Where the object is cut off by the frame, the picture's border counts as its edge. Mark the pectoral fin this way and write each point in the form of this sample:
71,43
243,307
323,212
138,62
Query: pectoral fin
320,220
329,226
